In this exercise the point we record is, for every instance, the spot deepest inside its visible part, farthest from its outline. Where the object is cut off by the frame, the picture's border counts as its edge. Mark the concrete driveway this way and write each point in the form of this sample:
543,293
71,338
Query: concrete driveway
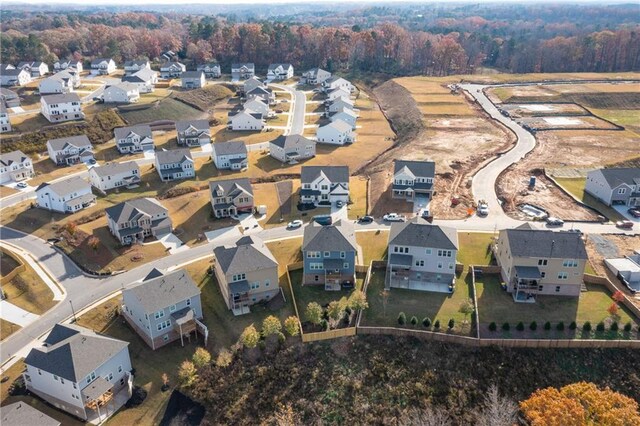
173,243
12,313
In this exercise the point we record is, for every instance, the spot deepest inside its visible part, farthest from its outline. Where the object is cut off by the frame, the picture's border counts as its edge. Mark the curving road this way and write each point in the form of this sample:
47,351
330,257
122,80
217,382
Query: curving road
295,125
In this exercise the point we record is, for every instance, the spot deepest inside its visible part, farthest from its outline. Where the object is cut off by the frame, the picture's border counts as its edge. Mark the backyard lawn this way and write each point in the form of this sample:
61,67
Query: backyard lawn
576,187
374,245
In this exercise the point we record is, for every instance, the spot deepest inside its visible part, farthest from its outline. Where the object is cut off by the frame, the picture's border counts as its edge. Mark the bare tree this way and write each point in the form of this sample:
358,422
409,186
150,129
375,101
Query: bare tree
497,410
428,416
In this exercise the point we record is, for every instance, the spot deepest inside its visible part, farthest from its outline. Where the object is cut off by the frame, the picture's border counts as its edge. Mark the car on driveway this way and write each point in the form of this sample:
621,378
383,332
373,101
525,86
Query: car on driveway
624,224
393,217
21,185
365,219
483,208
323,219
634,211
294,224
554,221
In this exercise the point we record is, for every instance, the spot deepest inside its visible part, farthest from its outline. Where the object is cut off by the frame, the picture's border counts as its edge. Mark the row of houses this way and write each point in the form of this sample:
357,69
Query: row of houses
340,110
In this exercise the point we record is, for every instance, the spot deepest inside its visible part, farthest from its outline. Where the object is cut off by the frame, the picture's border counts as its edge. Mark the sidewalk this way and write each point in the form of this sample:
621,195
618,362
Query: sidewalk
12,313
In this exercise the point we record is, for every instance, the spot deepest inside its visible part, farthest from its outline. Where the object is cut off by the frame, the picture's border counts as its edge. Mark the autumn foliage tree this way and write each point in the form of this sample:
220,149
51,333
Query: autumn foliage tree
250,337
578,404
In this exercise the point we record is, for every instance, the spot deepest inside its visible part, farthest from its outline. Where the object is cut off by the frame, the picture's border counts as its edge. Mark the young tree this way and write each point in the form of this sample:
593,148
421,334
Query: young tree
250,337
94,243
451,324
426,322
291,326
224,359
313,313
414,320
71,228
201,357
428,416
187,374
402,318
165,381
613,309
466,308
358,300
271,325
497,410
335,310
618,296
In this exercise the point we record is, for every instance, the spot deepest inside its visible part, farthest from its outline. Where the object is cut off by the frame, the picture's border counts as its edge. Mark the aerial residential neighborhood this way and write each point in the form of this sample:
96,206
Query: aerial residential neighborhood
320,213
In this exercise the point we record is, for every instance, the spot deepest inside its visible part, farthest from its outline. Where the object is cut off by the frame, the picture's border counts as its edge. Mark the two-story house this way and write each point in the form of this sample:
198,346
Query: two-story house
231,197
257,105
251,84
315,76
616,186
349,116
193,132
65,196
279,72
14,77
341,104
15,166
243,71
132,67
175,164
103,66
37,68
145,80
265,94
241,120
164,307
79,371
210,69
193,80
9,97
68,63
134,220
20,413
59,108
329,254
421,256
324,185
121,93
134,138
336,133
292,148
230,155
541,262
413,180
335,94
247,273
5,123
172,70
70,150
61,82
114,175
337,83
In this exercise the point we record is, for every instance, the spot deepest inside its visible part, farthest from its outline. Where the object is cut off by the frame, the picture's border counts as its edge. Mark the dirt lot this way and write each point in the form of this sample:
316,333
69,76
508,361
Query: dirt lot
533,110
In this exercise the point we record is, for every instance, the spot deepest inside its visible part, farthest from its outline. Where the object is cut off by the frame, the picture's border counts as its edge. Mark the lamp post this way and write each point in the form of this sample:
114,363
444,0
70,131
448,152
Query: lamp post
73,311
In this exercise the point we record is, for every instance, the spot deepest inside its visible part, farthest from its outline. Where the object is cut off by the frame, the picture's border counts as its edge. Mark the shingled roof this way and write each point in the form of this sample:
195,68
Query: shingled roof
337,237
162,291
420,233
334,173
248,254
545,244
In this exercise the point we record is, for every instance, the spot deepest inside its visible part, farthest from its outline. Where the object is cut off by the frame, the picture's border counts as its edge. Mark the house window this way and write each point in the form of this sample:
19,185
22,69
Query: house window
445,253
342,255
543,274
61,381
562,276
622,190
266,283
238,277
39,372
172,308
165,337
419,262
91,377
540,287
188,302
450,265
316,266
557,289
55,377
164,324
345,265
75,386
429,251
439,265
570,263
119,369
109,377
327,254
159,314
542,262
313,254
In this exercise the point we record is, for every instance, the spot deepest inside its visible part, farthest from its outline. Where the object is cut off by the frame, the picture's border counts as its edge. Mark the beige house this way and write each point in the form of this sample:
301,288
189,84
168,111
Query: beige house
541,262
247,273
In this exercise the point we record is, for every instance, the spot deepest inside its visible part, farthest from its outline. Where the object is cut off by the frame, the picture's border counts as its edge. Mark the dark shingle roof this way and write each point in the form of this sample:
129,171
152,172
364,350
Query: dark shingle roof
545,244
22,414
192,74
60,99
231,186
142,130
72,352
337,237
132,209
249,254
79,141
9,158
418,168
181,126
334,173
419,233
291,141
173,156
618,176
230,148
66,186
111,169
162,291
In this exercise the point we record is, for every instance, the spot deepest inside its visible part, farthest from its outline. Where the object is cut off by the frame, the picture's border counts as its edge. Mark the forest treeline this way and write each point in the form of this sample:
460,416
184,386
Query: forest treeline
452,45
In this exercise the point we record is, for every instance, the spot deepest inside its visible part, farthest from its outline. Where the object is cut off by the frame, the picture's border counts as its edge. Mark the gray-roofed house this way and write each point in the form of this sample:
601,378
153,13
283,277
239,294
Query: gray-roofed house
15,166
175,164
616,186
315,76
14,77
336,133
121,93
251,84
336,94
266,94
336,82
134,138
61,82
349,116
247,273
210,69
114,175
68,63
230,155
37,68
541,262
193,132
70,150
5,122
341,104
145,80
164,307
65,196
10,97
324,185
257,105
22,414
329,255
421,256
231,197
246,120
103,66
132,67
81,372
193,80
172,69
279,72
242,71
63,107
134,220
413,180
292,148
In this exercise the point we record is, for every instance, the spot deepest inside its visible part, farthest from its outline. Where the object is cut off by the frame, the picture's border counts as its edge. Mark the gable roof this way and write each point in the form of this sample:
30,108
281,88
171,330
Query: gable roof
249,65
339,125
66,186
72,352
98,61
291,141
192,74
420,233
22,414
545,243
208,65
248,254
273,67
181,126
417,168
230,148
339,236
336,79
142,130
231,187
618,176
61,98
79,141
111,169
334,173
347,111
8,158
124,86
245,113
140,76
133,209
343,100
173,156
162,290
138,63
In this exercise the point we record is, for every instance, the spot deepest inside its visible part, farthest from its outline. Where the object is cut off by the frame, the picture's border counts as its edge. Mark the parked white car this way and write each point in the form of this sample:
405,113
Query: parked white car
393,217
483,208
294,224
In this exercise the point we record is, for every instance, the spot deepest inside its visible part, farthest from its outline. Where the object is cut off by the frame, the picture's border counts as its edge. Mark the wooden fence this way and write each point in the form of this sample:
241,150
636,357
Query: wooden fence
330,334
476,314
18,269
598,280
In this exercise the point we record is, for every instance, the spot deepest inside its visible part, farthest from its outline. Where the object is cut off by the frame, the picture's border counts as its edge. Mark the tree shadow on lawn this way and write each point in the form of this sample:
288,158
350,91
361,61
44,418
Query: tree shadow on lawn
33,218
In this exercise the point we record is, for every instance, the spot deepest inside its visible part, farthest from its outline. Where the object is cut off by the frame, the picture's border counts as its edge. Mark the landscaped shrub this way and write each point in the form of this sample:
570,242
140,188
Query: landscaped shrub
627,327
520,326
346,319
451,324
614,326
281,337
560,326
506,326
533,326
573,325
600,326
324,324
436,324
586,326
547,326
414,320
493,326
426,322
402,318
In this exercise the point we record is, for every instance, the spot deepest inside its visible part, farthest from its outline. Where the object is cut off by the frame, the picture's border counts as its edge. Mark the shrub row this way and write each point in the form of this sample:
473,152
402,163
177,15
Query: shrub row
533,326
426,322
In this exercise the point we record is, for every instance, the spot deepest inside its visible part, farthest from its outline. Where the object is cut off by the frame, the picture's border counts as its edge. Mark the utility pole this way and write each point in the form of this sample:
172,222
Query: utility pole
73,311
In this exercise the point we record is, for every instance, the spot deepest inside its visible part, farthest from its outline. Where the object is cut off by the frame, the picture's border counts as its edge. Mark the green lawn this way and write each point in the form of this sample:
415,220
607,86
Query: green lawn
576,187
495,304
374,245
306,294
474,248
167,109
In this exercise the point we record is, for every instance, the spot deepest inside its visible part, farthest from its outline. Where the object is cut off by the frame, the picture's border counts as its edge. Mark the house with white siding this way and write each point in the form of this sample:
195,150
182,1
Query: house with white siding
257,105
315,76
14,77
193,132
340,104
61,82
103,66
230,155
336,94
251,84
279,72
59,108
172,70
15,166
114,175
231,197
615,186
70,150
68,63
145,80
263,93
338,82
246,120
132,67
348,116
65,196
336,133
413,180
79,371
243,71
175,164
193,80
292,148
5,123
134,139
324,185
134,220
37,69
210,69
122,93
